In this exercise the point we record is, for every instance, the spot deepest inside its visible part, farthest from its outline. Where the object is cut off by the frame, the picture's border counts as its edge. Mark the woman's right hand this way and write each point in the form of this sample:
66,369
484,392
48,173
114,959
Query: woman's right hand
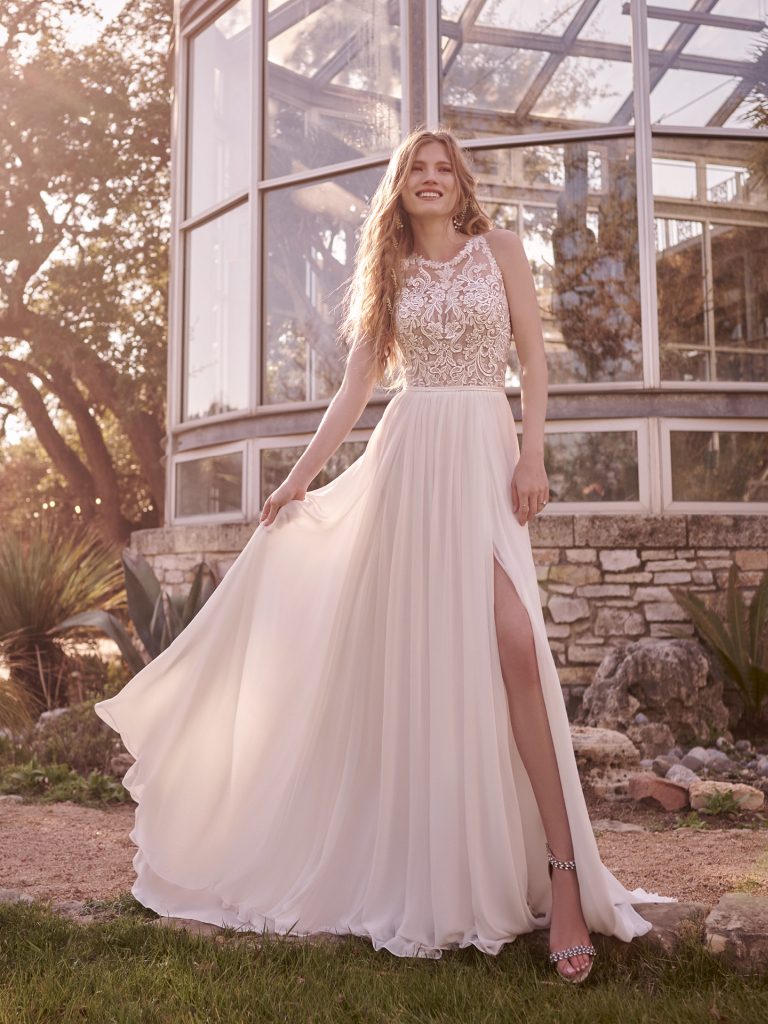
289,490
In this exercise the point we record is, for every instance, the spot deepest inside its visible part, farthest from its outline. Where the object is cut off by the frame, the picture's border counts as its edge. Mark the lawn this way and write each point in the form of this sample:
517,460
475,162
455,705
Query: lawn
127,970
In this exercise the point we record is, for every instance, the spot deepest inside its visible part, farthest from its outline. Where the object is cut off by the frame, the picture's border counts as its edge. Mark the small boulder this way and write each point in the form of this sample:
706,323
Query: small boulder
671,922
120,763
747,797
737,929
682,776
693,762
648,786
663,762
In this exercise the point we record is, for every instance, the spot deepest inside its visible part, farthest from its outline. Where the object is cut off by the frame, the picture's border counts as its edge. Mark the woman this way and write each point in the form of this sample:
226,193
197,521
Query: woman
363,729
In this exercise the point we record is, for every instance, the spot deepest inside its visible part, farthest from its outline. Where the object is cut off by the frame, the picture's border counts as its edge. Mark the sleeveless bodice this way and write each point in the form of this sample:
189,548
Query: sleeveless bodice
452,319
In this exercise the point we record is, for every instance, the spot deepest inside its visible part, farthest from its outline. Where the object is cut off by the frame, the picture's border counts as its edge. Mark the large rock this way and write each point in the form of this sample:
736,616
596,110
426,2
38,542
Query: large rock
603,748
669,680
737,929
747,797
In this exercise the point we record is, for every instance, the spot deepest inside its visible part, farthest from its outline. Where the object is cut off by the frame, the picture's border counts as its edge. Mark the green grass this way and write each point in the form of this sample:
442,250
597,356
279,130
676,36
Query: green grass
127,970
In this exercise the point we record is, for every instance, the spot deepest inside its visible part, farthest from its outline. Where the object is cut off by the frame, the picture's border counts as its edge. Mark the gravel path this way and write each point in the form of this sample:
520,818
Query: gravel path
66,851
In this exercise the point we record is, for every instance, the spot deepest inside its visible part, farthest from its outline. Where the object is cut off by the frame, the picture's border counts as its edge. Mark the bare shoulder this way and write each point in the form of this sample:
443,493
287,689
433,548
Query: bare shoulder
506,242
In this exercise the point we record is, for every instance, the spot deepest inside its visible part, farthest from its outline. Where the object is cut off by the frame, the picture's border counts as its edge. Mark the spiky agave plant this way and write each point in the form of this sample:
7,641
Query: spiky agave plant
158,617
739,641
48,571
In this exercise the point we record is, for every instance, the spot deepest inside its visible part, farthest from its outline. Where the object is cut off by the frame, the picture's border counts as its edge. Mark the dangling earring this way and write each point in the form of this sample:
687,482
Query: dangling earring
458,218
398,221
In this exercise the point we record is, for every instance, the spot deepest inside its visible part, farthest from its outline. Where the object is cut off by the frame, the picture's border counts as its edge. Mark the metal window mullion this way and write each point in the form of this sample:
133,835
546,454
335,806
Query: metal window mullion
644,178
709,300
256,220
432,62
175,361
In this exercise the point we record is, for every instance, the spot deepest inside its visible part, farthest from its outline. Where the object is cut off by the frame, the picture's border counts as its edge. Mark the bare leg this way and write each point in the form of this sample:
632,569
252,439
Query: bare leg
530,727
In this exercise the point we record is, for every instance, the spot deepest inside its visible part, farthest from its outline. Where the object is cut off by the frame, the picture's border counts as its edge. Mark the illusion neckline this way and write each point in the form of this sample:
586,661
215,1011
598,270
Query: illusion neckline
444,263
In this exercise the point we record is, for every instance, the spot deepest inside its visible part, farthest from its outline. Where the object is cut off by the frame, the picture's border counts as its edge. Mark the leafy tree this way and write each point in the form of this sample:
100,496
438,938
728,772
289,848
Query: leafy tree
84,224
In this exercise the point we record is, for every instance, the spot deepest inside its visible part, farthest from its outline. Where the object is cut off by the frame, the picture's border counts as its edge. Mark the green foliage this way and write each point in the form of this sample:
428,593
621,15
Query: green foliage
692,820
56,782
739,640
721,802
76,737
85,132
157,616
48,572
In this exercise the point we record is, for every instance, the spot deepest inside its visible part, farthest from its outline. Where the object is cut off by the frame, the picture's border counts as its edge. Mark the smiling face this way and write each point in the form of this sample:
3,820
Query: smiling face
430,188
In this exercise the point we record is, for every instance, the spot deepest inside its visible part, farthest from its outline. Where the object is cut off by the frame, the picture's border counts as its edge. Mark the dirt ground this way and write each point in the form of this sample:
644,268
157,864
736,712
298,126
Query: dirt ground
66,851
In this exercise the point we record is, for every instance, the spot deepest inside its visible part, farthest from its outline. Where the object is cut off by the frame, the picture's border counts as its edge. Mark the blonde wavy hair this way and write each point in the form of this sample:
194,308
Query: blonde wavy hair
370,300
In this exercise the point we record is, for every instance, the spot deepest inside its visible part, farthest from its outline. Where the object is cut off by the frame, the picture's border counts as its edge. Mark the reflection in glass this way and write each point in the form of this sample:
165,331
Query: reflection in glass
210,486
219,109
216,349
703,63
574,207
333,83
592,465
680,292
544,66
276,464
719,465
711,233
310,242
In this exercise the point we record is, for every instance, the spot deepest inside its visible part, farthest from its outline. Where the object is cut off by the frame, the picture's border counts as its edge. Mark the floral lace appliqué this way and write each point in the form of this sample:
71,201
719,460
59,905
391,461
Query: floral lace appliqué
452,319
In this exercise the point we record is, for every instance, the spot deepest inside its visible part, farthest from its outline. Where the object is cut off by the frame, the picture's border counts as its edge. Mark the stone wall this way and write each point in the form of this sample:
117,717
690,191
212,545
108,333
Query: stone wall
604,579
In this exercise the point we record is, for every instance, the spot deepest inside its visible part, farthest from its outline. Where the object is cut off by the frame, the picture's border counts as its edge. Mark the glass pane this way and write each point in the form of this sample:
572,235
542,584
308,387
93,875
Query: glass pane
511,68
333,83
220,110
592,465
310,241
276,464
712,258
575,208
719,465
680,288
216,350
704,64
210,485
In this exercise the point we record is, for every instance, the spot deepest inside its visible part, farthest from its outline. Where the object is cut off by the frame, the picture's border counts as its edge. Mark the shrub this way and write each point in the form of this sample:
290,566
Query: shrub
738,640
56,782
157,616
48,572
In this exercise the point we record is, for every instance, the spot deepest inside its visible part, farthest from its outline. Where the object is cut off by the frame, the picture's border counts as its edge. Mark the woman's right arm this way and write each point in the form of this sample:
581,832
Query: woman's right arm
344,410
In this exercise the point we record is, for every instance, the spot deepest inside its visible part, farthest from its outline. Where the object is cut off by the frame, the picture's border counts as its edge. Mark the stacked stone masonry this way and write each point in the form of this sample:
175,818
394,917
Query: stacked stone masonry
603,579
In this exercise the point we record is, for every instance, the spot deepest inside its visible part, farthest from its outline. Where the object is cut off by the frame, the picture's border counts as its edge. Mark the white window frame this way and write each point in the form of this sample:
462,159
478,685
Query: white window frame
207,517
670,423
638,426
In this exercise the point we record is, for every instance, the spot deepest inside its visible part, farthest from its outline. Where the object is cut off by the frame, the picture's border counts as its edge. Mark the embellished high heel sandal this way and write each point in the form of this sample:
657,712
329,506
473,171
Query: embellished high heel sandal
563,954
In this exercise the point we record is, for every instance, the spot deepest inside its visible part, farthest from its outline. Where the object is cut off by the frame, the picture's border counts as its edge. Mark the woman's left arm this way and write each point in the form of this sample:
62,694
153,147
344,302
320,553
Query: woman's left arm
530,488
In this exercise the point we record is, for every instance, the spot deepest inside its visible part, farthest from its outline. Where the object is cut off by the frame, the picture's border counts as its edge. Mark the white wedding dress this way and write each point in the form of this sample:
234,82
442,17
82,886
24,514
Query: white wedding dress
327,746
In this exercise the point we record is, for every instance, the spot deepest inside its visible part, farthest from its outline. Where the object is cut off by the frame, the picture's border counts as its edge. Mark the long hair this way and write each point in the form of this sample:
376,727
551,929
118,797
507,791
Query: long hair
370,300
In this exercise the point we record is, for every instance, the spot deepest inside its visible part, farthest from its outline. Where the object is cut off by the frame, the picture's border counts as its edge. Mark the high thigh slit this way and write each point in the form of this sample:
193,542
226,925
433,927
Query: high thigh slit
327,746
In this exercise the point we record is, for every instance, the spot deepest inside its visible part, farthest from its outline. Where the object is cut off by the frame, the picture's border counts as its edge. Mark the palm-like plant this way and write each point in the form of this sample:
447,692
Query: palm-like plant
158,617
47,572
739,641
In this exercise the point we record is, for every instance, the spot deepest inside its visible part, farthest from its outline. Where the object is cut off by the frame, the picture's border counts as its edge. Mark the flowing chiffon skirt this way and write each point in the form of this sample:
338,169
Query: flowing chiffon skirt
327,746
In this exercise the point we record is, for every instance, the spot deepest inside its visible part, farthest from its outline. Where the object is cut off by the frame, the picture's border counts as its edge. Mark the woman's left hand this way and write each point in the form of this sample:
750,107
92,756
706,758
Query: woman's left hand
530,487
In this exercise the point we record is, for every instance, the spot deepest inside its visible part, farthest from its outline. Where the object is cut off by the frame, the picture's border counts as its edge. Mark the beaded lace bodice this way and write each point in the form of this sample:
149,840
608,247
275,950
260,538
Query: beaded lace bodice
452,319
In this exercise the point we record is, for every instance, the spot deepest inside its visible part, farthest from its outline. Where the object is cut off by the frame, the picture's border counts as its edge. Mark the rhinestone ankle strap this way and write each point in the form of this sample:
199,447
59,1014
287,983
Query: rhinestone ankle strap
568,865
